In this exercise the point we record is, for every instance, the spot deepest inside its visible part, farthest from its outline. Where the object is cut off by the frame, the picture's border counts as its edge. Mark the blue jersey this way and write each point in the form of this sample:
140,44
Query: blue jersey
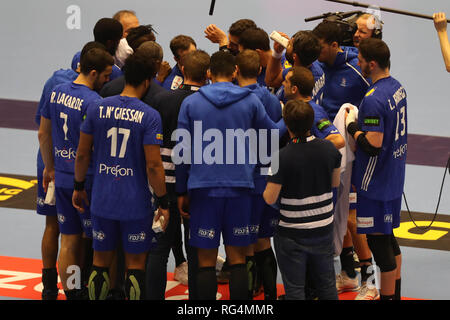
322,126
383,110
116,71
174,80
120,127
319,78
66,110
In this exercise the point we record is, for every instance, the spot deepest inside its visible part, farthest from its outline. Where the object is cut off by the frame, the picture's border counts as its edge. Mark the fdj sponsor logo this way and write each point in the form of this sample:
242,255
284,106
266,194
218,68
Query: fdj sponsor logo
229,146
206,233
65,154
241,231
140,237
116,171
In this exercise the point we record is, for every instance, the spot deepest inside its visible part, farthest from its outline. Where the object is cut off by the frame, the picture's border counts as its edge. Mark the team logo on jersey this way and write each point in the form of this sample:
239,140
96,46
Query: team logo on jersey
177,81
140,237
372,121
241,231
159,136
207,233
344,82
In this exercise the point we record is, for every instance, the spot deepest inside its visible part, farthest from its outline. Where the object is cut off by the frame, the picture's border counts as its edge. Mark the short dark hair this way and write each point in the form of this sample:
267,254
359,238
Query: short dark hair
303,79
107,29
307,47
196,64
119,14
377,50
249,63
255,38
329,32
91,45
222,64
240,26
137,36
95,59
181,42
298,117
138,68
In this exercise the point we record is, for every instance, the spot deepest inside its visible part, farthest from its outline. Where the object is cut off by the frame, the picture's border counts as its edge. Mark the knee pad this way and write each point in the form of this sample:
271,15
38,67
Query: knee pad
98,283
135,284
383,252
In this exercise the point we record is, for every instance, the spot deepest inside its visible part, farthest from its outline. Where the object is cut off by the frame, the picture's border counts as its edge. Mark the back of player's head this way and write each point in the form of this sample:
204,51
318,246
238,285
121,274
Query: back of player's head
95,59
307,47
91,45
222,64
196,65
107,29
137,36
255,38
138,68
181,43
249,65
373,49
303,79
298,117
152,50
329,32
122,13
239,26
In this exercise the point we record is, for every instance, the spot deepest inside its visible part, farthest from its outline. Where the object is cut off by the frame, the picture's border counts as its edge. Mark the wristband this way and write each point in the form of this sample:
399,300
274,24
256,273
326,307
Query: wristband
277,55
352,128
162,202
78,186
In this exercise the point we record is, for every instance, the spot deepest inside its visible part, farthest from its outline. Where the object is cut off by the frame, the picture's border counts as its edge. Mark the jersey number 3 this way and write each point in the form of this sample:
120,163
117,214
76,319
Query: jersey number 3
113,134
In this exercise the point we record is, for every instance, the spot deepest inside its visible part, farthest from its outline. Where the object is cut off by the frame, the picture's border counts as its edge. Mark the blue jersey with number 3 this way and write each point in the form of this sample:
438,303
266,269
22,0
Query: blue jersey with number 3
66,110
383,109
120,127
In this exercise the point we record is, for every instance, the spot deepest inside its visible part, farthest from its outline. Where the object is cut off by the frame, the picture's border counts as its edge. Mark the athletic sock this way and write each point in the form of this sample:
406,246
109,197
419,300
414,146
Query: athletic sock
266,264
87,266
348,262
398,289
391,297
251,271
135,284
72,294
98,284
364,265
238,282
50,279
207,283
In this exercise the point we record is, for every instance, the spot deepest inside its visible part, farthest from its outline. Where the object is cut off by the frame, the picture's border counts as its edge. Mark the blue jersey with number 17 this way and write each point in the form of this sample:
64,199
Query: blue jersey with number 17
67,108
120,127
383,109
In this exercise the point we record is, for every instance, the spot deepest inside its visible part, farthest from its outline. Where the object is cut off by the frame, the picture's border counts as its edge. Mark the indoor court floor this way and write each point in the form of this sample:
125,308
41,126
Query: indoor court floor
426,253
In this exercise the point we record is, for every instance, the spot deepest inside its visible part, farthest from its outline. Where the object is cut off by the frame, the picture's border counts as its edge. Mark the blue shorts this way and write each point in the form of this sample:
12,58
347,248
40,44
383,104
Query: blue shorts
69,219
374,216
137,236
215,216
264,219
41,207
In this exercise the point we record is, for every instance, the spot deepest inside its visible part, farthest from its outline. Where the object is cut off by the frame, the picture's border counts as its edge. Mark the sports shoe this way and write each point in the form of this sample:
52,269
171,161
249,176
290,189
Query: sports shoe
50,294
366,293
345,284
181,273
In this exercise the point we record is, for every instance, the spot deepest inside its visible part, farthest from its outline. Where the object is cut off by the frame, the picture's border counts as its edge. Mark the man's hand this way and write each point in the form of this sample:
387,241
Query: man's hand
79,199
350,116
48,175
183,206
164,71
278,48
216,35
166,216
440,22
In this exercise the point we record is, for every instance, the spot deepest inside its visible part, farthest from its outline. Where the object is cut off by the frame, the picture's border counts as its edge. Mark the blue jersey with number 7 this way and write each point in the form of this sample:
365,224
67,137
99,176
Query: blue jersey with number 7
120,127
383,109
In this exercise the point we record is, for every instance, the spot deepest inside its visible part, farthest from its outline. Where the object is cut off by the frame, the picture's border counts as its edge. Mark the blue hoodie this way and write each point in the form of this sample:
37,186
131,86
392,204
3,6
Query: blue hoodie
216,108
344,82
273,108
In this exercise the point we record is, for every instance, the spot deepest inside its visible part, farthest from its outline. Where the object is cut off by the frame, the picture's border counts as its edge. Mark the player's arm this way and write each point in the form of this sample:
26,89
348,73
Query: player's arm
46,147
274,71
369,141
157,180
336,178
440,23
216,35
271,192
336,139
82,161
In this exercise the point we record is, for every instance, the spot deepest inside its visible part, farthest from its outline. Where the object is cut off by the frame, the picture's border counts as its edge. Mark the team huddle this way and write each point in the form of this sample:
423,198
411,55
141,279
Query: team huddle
304,143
